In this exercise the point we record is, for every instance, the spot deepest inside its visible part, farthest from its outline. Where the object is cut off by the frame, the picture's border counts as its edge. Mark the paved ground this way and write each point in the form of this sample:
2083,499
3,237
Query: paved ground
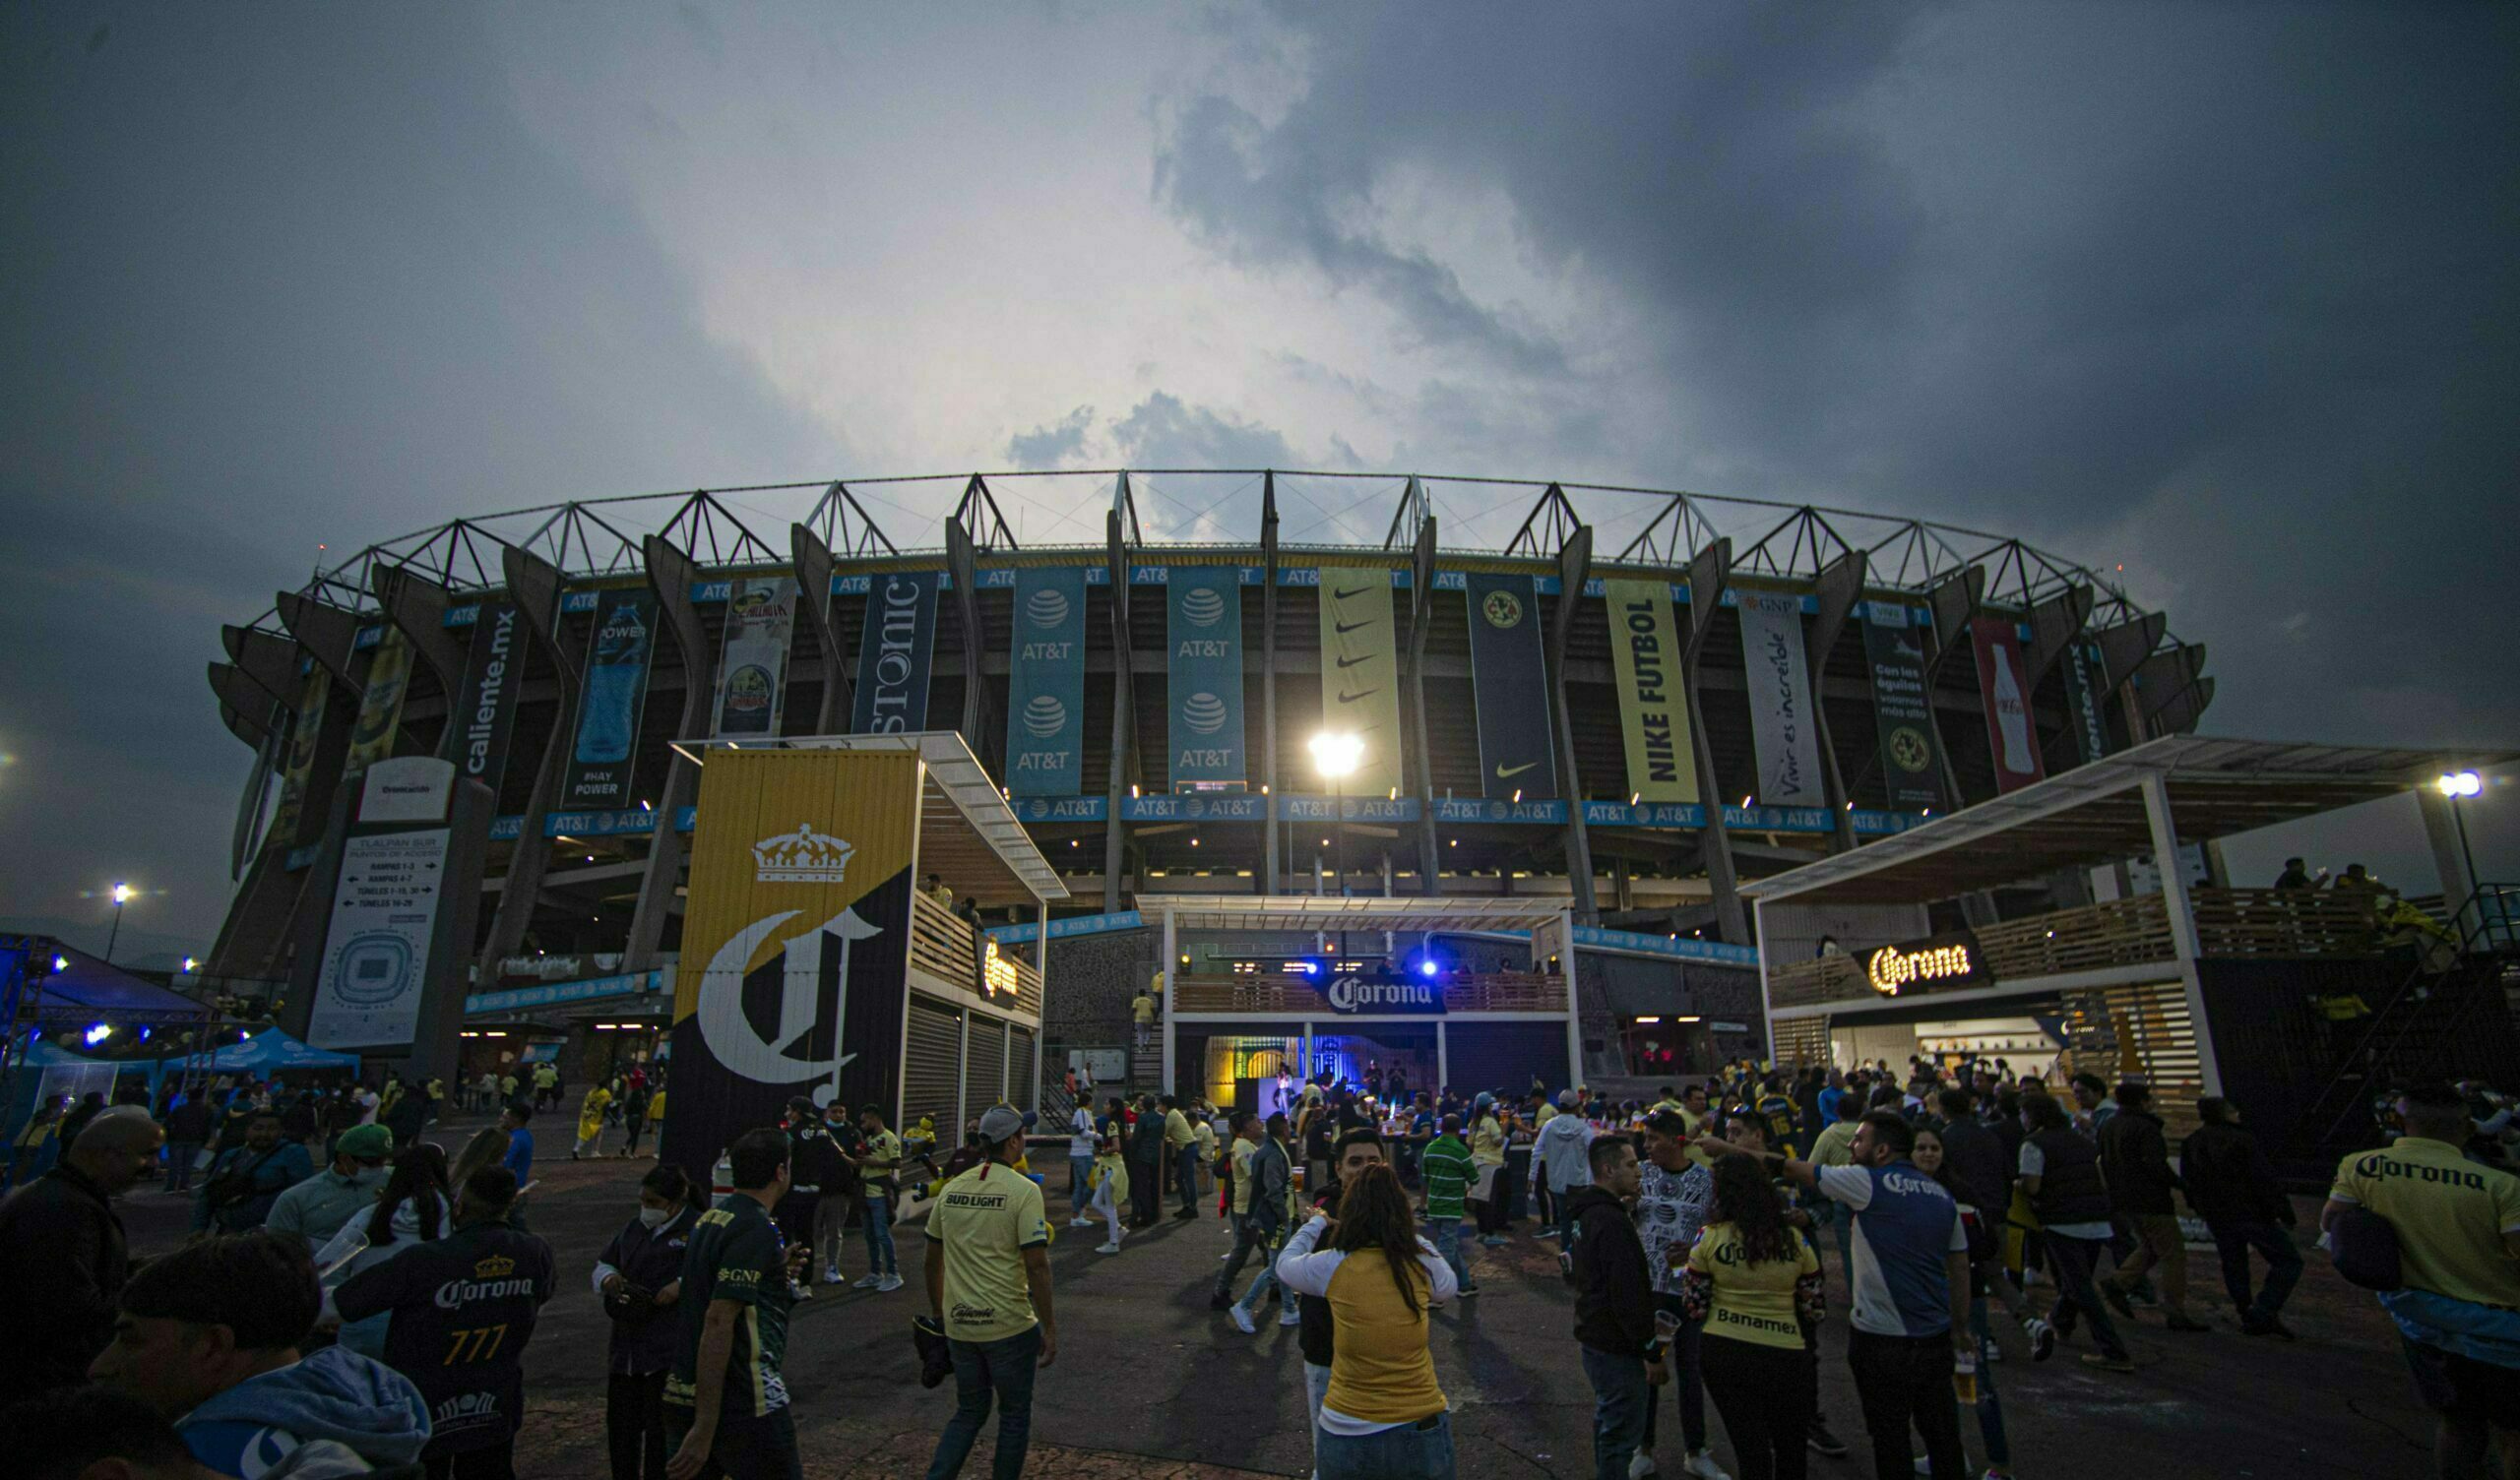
1149,1384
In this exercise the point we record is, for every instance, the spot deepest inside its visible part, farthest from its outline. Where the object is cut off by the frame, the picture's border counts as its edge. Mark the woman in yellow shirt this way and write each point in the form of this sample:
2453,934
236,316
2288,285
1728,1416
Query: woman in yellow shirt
1755,1284
1384,1418
590,1121
1488,1171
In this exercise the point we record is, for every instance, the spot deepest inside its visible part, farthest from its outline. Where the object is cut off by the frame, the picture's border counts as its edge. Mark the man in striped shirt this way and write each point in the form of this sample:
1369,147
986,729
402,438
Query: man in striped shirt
1448,1171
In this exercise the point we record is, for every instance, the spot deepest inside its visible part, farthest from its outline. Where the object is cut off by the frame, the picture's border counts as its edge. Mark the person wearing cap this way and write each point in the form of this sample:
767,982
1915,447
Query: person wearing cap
988,1285
815,1166
316,1208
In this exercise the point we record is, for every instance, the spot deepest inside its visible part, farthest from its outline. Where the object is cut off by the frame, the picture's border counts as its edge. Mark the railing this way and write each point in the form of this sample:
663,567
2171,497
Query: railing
1485,992
2231,923
942,944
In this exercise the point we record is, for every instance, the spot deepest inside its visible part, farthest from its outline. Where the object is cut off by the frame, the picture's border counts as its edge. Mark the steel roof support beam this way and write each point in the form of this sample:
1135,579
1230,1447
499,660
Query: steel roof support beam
1421,616
328,633
267,658
417,606
1841,586
978,516
1574,563
1708,572
961,562
1269,677
671,574
1123,701
813,594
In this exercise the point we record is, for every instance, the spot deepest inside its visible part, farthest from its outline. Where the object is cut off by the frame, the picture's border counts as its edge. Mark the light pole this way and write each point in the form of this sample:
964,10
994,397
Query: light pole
2457,785
1335,754
122,897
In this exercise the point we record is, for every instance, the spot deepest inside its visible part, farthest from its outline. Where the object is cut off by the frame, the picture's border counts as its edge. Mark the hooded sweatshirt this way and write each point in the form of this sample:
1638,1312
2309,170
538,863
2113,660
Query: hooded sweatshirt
1614,1288
256,1427
1562,1154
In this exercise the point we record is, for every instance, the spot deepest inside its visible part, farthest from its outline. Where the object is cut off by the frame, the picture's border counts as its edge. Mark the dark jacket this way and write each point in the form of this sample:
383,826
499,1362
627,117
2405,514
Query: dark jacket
1145,1143
649,1259
2070,1189
1317,1331
2229,1178
1974,1156
1613,1289
1270,1174
188,1124
63,1250
2135,1158
813,1161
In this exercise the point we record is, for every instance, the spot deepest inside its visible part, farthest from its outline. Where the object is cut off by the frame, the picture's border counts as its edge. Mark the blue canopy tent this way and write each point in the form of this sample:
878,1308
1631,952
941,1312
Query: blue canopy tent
273,1052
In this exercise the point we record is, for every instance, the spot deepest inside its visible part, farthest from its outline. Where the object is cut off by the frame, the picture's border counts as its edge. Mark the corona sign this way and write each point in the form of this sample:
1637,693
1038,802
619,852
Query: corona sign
997,973
1945,962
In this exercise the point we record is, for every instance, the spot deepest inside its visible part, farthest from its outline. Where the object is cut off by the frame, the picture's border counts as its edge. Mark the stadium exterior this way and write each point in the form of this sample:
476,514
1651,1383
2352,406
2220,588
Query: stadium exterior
1735,688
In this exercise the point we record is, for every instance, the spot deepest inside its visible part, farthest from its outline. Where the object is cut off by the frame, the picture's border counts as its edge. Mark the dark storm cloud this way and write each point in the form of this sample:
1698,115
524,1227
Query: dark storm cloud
1051,445
1161,431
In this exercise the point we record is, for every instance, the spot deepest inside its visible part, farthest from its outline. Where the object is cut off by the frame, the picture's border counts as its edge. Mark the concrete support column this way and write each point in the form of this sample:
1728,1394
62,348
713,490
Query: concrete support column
2449,858
1443,1060
2183,922
1574,1008
1170,1005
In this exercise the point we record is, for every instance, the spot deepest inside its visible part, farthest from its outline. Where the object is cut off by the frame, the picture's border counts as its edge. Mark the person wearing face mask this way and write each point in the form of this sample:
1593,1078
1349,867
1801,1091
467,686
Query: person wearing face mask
640,1280
316,1208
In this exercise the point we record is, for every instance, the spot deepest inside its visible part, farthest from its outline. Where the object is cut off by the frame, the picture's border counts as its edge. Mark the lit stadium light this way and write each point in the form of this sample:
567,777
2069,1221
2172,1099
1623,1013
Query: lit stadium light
1335,753
99,1033
124,892
2461,783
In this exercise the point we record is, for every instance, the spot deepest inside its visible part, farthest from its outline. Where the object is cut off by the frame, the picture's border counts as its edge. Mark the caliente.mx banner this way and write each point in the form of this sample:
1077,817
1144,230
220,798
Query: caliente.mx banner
1903,705
1509,680
484,715
896,649
752,672
1046,684
2004,689
610,698
1203,628
1361,673
796,943
1782,733
1653,707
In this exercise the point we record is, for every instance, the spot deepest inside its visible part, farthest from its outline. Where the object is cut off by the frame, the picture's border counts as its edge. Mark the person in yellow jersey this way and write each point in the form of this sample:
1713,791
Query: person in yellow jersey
1488,1170
878,1172
1699,1119
1383,1414
1110,1183
590,1121
2458,1311
988,1285
1182,1146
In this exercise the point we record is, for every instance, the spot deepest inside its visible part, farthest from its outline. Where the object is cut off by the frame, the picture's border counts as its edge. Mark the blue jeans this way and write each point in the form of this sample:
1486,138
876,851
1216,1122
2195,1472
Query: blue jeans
880,1258
1622,1394
1688,1380
1990,1410
1079,1196
1447,1243
1406,1452
1185,1176
1004,1367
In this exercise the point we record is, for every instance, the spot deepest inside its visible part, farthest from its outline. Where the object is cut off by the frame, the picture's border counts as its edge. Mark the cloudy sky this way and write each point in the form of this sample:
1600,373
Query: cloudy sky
2220,293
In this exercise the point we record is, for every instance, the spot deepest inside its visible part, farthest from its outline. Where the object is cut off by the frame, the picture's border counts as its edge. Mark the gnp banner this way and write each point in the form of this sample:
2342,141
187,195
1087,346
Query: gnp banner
1046,684
2084,710
2003,689
1782,733
894,651
610,700
752,670
1903,707
1653,708
305,732
1509,676
795,945
380,706
1204,627
1361,673
485,715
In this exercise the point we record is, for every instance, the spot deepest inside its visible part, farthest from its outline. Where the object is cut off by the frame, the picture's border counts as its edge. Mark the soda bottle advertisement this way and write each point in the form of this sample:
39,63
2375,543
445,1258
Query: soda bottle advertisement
615,690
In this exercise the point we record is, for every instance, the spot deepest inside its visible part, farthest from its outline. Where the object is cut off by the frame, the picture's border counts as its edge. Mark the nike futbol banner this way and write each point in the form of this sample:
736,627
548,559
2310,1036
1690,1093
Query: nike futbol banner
752,671
484,715
380,704
895,653
1204,627
796,943
1782,733
610,700
2006,697
1361,673
1653,710
1894,647
1046,684
1509,678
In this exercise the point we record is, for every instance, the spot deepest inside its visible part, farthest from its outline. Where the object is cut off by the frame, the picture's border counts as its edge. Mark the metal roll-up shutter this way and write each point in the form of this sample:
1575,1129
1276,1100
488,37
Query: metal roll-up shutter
932,1077
1505,1056
985,1078
1020,1085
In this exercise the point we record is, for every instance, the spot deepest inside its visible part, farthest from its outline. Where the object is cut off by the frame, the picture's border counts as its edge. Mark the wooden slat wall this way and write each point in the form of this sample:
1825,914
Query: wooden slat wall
940,944
1800,1041
2139,1032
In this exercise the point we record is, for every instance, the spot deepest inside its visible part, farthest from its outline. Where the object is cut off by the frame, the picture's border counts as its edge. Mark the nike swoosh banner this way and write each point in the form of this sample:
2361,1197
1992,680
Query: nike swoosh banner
1653,710
1782,731
1509,676
1903,707
610,698
752,671
485,705
2006,697
1361,673
1203,608
795,942
1046,688
896,651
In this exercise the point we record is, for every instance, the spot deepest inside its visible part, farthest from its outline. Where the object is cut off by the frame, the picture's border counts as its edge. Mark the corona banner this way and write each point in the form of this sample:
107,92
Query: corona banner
2006,693
1653,708
1903,707
1046,684
380,704
795,945
896,651
1203,631
1361,673
1509,679
1782,733
752,671
610,698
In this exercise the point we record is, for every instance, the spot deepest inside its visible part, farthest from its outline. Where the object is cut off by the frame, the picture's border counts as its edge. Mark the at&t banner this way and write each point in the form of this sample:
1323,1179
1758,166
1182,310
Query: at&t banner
795,942
1046,684
484,715
2006,695
1903,707
1509,676
1361,673
1782,731
1653,708
752,673
1204,627
894,651
611,700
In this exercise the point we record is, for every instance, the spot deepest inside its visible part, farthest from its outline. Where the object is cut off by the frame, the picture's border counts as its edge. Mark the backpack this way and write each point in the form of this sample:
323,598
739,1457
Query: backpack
2365,1247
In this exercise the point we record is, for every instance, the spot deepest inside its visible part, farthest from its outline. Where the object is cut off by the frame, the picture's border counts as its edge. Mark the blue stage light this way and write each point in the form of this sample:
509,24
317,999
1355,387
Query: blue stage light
1427,969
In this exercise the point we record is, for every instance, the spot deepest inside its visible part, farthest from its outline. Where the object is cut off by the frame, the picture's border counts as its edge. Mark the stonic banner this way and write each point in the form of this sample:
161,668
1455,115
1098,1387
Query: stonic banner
485,715
1361,673
380,704
1653,707
2006,695
610,700
896,651
752,669
1509,680
1782,730
1204,627
1046,684
796,949
1894,647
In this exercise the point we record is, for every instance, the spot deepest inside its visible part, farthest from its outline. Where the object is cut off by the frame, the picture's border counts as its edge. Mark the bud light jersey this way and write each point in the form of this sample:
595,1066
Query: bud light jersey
735,1254
463,1308
1905,1222
2451,1216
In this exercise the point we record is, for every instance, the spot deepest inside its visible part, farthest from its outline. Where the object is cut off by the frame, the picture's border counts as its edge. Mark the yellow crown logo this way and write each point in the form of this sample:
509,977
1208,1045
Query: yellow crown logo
496,1266
803,856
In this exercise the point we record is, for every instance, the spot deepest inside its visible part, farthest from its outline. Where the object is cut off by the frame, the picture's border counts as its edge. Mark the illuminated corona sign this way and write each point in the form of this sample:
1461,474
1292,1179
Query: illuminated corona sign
1945,962
997,973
